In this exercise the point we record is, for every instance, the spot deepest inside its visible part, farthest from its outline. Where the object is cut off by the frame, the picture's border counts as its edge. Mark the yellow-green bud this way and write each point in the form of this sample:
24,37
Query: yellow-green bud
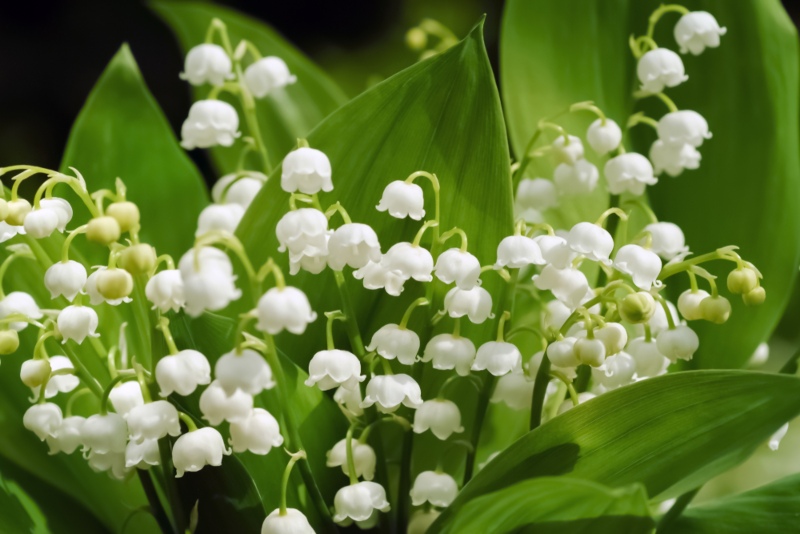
114,284
638,307
755,296
126,213
17,210
138,259
3,209
9,341
416,39
427,54
104,230
34,373
715,309
741,281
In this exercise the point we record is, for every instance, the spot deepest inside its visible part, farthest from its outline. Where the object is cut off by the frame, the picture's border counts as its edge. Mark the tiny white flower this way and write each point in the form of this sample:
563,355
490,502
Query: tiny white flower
517,251
577,179
696,31
590,351
284,308
196,449
165,290
33,373
447,351
567,151
421,520
629,172
21,303
182,372
153,420
67,436
208,280
267,75
684,127
392,341
614,337
497,357
459,266
291,522
207,63
210,123
40,223
591,240
673,159
604,136
617,371
247,371
313,263
390,391
537,194
8,231
306,170
689,304
475,303
238,188
364,458
556,250
258,433
65,278
514,390
439,489
125,397
219,217
350,400
303,232
659,68
355,245
90,288
561,352
217,406
59,383
77,323
375,276
333,368
641,264
441,416
359,502
61,207
402,199
142,454
105,433
649,361
775,439
409,261
112,463
567,285
679,343
43,420
666,239
555,314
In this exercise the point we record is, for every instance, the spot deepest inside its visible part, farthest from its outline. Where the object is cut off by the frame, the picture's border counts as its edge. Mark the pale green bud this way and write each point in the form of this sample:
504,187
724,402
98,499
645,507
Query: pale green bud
34,373
638,307
9,341
126,213
741,281
755,296
138,259
103,230
416,39
715,309
17,210
114,284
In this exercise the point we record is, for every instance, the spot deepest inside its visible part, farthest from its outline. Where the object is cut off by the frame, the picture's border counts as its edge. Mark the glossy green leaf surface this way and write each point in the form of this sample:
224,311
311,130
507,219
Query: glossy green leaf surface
749,178
670,433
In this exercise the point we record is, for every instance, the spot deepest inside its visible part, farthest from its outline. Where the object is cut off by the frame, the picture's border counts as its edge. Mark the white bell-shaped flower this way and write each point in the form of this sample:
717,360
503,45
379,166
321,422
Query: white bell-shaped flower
517,251
421,520
77,323
554,315
684,127
61,207
439,489
567,150
355,245
614,337
359,502
284,308
95,297
208,280
375,276
210,123
267,75
349,400
497,357
196,449
303,232
8,231
590,351
217,406
207,63
567,285
306,170
21,303
59,383
604,136
364,458
165,290
333,368
238,188
641,264
666,239
579,178
43,420
659,68
142,454
34,372
459,266
475,303
515,390
617,371
673,159
409,261
258,433
630,172
219,218
441,416
65,278
402,199
392,341
247,371
591,240
536,193
649,361
126,397
556,250
689,304
696,31
561,352
182,372
679,343
153,420
447,352
291,522
105,433
112,463
68,436
40,223
313,262
388,392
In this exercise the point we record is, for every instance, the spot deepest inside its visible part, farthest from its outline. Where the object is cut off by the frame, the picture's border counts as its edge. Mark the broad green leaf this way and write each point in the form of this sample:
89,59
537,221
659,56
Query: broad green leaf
555,505
15,516
770,509
670,433
749,179
284,116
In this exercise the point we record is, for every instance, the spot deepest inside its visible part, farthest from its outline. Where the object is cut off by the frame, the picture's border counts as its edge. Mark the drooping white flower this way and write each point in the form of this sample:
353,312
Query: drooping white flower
219,217
43,420
617,371
334,368
567,150
247,371
208,280
353,244
182,372
409,261
34,372
291,522
666,239
67,436
105,433
497,357
303,232
207,63
439,489
112,463
659,68
591,240
536,193
604,136
392,341
364,458
475,303
447,351
59,383
267,75
165,290
402,199
142,454
196,449
590,351
555,314
673,159
459,266
77,323
312,263
684,127
359,502
679,343
257,433
441,416
567,285
350,400
21,303
306,170
561,352
153,420
40,223
8,231
61,207
775,439
577,179
390,391
284,308
689,304
641,264
95,297
556,250
629,172
517,251
696,31
649,361
614,337
375,276
126,397
65,278
514,390
217,406
210,123
238,188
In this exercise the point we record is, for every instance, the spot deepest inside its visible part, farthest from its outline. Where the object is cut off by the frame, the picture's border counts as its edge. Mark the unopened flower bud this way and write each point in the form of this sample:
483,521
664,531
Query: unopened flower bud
126,213
689,304
17,210
103,230
34,373
755,297
604,135
416,39
9,341
114,284
715,309
637,307
138,259
741,281
590,351
614,337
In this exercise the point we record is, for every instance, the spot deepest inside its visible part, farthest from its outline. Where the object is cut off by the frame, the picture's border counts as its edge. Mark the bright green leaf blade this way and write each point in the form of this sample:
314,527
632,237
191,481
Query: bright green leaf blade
284,116
670,433
770,509
14,516
555,505
121,132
